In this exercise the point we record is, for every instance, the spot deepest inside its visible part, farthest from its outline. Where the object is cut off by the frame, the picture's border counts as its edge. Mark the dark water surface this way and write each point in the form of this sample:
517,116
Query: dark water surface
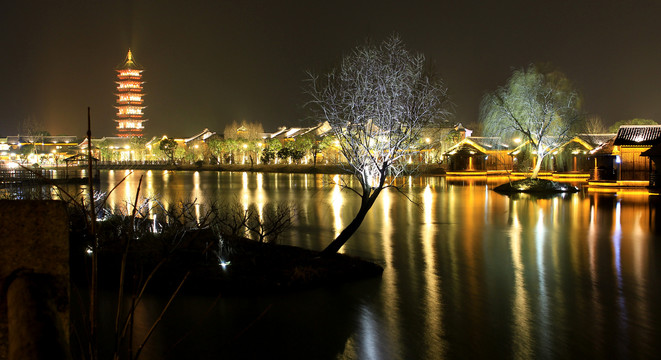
468,274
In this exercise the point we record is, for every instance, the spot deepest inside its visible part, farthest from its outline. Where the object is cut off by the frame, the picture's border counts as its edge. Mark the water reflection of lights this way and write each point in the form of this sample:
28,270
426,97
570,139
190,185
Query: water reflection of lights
433,295
390,276
427,204
617,241
197,195
540,236
260,196
370,337
336,203
617,263
520,309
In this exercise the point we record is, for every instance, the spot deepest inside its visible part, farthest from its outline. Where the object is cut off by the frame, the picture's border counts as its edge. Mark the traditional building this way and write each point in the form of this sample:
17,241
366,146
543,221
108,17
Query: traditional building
654,154
479,155
576,155
630,142
130,116
42,149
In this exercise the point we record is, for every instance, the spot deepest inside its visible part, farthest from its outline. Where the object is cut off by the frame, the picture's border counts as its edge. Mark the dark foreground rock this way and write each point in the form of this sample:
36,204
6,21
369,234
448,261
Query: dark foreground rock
262,268
245,267
534,186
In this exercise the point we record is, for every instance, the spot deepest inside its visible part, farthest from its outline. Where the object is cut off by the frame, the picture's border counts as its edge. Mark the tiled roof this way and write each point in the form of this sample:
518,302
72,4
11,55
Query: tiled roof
465,148
595,140
638,135
205,134
490,143
604,149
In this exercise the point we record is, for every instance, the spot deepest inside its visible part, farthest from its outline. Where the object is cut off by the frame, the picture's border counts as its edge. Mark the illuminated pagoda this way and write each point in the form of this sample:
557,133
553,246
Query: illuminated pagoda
129,99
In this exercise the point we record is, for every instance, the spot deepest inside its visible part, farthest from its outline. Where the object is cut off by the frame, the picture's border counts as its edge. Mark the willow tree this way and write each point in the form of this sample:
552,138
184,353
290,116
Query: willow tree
538,105
377,102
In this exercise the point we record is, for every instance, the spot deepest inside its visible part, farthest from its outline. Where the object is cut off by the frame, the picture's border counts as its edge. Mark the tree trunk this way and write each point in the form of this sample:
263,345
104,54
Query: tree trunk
538,166
314,159
348,231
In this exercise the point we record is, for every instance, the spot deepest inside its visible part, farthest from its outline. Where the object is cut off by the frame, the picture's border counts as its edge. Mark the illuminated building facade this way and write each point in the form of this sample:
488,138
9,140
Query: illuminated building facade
130,116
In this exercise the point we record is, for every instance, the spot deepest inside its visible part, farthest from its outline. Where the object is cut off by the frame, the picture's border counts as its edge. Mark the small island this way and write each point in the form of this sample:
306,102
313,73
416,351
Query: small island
535,186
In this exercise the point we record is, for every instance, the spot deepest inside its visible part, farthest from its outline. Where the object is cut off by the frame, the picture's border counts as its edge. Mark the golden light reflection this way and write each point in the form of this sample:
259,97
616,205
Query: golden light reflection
197,195
543,296
521,327
617,242
433,298
390,287
604,238
260,195
166,177
428,204
129,196
336,203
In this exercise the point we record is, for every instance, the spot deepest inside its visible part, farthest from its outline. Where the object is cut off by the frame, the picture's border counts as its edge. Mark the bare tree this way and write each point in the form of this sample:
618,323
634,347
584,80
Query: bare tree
594,125
231,218
34,132
243,130
377,102
539,105
275,219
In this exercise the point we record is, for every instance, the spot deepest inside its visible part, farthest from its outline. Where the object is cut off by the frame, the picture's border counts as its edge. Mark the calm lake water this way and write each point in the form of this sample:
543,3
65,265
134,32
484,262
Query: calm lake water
468,274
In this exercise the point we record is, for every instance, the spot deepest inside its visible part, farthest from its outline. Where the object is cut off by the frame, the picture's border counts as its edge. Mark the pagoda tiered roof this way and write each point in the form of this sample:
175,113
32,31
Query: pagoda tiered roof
129,98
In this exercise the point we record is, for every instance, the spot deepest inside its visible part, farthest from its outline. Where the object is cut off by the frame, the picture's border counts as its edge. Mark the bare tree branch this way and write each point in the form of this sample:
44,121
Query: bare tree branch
378,102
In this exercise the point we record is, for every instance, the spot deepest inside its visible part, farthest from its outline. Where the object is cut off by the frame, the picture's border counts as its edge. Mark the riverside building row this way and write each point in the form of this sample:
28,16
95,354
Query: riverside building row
629,157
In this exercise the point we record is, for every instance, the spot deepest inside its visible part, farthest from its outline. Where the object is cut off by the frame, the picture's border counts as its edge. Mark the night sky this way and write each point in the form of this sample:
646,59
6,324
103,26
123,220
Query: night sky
211,62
